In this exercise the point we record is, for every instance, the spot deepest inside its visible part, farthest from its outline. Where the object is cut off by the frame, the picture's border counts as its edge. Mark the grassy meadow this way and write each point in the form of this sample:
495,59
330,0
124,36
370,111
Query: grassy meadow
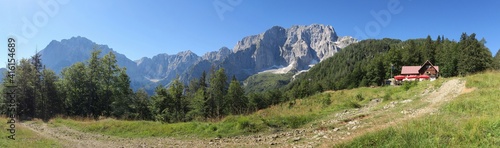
288,115
24,138
470,120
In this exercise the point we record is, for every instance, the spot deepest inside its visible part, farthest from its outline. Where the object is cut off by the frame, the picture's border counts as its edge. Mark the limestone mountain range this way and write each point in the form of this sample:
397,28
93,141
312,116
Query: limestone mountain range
278,50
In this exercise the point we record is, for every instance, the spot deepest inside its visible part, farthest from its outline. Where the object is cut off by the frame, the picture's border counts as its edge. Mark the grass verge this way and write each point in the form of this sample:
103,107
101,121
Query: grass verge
470,120
24,138
288,115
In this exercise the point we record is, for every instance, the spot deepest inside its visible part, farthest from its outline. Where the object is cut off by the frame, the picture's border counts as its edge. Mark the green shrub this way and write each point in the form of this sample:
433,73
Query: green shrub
297,121
247,126
326,101
359,97
350,104
354,104
409,84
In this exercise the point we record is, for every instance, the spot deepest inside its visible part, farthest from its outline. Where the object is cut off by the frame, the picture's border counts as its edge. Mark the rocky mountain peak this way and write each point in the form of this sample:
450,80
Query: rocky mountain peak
294,49
274,31
77,39
219,55
187,55
277,49
58,55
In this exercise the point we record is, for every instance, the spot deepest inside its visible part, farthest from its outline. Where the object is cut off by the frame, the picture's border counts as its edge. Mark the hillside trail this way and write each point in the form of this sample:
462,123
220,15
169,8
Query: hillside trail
68,137
334,129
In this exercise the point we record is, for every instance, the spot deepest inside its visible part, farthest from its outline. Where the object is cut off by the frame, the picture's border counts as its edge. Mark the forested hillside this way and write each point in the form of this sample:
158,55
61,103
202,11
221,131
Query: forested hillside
92,89
100,88
370,62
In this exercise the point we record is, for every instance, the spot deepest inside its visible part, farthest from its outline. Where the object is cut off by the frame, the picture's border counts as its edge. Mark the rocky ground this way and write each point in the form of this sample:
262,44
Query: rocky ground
337,128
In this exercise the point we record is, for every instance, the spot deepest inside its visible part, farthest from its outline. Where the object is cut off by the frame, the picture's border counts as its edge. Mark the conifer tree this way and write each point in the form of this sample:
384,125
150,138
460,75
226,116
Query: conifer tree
236,98
216,92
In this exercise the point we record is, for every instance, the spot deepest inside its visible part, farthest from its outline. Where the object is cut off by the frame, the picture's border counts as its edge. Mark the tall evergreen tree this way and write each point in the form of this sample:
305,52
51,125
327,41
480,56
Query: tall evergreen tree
429,49
40,100
198,99
140,106
25,77
410,53
198,106
122,95
216,92
474,56
447,56
179,102
74,89
54,104
161,102
236,98
96,105
204,94
376,72
109,88
438,40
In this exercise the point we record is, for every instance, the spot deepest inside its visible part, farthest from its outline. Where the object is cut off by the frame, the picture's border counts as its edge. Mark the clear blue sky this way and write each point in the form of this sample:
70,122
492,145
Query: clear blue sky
146,28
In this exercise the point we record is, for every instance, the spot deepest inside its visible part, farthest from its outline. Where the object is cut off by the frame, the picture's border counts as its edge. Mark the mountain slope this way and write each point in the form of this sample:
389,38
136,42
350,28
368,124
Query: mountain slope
206,63
472,119
368,62
279,49
362,117
58,55
290,50
166,67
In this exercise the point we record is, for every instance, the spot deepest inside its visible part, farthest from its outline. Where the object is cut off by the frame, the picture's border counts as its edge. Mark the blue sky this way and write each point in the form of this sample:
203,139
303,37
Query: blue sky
146,28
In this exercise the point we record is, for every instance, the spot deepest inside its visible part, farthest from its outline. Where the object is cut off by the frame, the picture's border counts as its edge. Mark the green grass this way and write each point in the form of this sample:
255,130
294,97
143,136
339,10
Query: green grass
230,126
288,115
24,138
470,120
266,81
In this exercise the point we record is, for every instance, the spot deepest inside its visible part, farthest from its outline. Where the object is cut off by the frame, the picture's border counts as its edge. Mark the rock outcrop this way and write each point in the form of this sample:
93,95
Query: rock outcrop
288,50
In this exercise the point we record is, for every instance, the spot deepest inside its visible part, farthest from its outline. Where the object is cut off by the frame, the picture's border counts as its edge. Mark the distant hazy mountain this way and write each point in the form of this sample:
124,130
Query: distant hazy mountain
207,62
61,54
277,50
216,56
166,67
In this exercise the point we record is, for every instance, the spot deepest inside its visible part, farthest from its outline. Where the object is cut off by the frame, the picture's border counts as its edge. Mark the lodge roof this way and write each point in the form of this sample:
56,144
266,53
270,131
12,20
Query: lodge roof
414,70
410,70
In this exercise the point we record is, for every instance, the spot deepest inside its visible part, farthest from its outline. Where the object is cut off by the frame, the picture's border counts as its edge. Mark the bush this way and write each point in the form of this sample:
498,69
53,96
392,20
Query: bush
297,121
353,104
326,101
350,104
245,125
409,84
359,97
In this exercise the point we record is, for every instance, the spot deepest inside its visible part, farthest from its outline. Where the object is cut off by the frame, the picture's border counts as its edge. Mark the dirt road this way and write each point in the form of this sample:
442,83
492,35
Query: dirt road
337,128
